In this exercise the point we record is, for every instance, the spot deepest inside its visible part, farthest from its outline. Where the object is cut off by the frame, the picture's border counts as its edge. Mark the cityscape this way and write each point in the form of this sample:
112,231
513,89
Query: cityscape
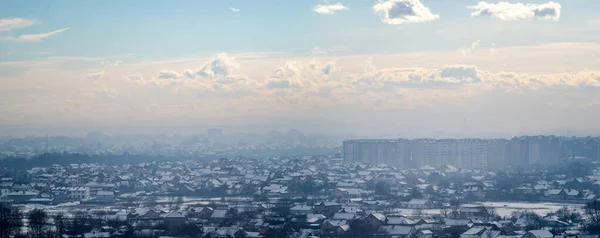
300,119
534,186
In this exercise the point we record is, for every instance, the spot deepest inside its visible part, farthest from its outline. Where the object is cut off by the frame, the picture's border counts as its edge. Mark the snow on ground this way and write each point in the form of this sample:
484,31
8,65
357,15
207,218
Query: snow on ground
507,208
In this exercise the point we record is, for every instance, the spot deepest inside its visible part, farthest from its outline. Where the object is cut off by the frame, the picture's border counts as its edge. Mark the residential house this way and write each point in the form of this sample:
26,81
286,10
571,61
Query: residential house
419,204
398,231
538,234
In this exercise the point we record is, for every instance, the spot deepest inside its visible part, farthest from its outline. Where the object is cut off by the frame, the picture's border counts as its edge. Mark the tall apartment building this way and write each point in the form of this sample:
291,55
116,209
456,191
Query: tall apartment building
392,152
543,150
462,153
472,154
426,152
498,153
519,151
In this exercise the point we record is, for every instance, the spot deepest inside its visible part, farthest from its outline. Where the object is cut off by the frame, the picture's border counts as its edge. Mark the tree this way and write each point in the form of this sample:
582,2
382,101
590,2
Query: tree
534,221
61,224
445,211
455,208
592,211
382,188
10,221
38,223
418,212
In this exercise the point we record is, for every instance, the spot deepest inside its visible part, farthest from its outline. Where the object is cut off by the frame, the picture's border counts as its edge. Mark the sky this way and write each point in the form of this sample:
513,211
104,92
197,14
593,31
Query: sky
407,68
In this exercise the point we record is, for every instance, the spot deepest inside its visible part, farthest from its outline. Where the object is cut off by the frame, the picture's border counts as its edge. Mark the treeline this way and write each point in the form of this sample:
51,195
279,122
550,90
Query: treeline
48,159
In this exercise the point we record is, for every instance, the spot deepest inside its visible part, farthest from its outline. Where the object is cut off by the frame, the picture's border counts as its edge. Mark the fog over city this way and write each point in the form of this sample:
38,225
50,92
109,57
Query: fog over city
300,118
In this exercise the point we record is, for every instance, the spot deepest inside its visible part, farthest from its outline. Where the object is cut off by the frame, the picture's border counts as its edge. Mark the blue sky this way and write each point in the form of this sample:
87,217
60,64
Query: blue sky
100,63
163,29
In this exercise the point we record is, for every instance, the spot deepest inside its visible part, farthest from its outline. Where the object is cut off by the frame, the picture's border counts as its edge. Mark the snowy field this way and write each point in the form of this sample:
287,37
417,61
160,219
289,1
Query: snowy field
507,208
504,209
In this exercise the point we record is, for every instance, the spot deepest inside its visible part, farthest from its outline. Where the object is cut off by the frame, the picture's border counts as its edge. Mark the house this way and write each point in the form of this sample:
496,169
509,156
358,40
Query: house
400,221
173,219
424,234
218,215
71,193
332,227
375,220
95,234
464,223
21,196
573,194
301,210
538,234
105,196
419,204
557,194
481,232
343,216
327,208
399,231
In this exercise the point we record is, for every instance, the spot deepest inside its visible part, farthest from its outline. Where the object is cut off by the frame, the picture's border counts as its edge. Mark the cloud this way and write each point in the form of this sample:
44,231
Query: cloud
14,23
295,75
517,11
95,76
467,51
109,63
396,12
169,74
215,78
103,93
135,79
460,73
221,65
36,37
233,9
329,9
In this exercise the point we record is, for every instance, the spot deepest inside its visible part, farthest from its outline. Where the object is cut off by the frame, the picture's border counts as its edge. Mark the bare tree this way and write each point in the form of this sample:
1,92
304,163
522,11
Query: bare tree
61,224
10,221
445,211
38,223
418,212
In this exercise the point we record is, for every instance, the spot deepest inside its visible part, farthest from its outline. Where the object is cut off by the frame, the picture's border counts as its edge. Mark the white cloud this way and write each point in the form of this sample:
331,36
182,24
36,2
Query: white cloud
109,63
221,65
403,11
517,11
467,51
135,79
14,23
103,93
329,9
233,9
295,75
95,76
169,74
35,37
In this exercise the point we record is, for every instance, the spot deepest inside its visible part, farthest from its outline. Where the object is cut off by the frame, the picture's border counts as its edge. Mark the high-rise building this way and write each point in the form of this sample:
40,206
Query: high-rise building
391,152
498,153
519,151
425,152
462,153
544,150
